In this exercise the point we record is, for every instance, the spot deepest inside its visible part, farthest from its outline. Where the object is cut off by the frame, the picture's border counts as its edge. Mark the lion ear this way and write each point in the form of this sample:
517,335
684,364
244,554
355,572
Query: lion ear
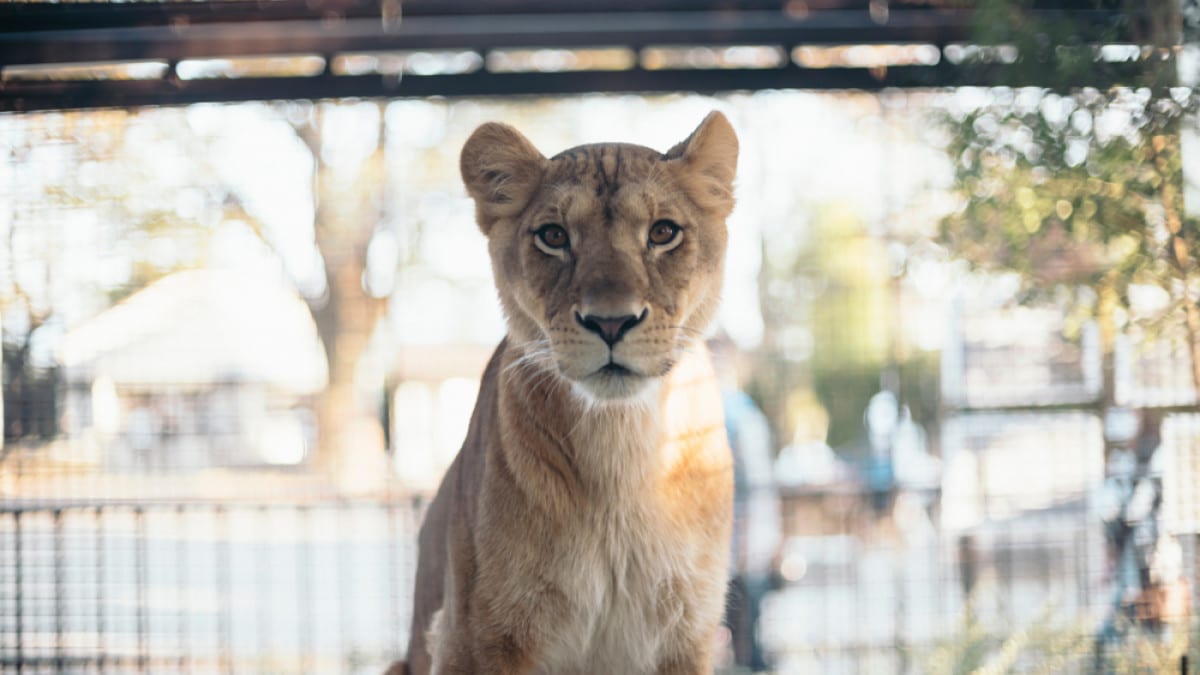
501,170
708,163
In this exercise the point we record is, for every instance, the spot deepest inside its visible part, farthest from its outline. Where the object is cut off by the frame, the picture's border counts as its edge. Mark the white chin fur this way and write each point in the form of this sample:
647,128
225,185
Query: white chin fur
601,388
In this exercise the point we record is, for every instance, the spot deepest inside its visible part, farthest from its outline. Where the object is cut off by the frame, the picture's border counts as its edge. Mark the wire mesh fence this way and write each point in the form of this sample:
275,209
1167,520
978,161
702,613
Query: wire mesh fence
194,587
950,479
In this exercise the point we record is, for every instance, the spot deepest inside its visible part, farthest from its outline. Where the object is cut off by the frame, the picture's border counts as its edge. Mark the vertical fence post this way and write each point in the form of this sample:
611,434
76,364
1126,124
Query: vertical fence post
413,520
900,626
19,599
304,578
968,566
59,606
224,588
391,542
343,586
100,596
181,582
139,520
263,586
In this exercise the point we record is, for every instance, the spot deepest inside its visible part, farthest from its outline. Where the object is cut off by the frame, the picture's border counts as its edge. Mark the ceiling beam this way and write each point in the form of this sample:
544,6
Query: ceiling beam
53,35
38,96
476,33
38,16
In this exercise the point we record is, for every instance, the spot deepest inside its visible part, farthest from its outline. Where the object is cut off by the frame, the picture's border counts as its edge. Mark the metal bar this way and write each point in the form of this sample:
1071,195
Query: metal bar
59,603
262,575
28,16
491,31
414,516
47,506
1093,406
304,579
35,96
474,32
24,17
100,604
391,572
224,588
139,518
19,599
181,579
345,633
124,663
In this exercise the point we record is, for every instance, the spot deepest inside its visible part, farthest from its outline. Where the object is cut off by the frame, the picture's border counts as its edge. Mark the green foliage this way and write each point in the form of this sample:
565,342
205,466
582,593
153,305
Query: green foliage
844,389
1067,189
1045,645
921,387
1076,186
1024,46
834,289
1049,645
131,189
104,203
1142,651
849,319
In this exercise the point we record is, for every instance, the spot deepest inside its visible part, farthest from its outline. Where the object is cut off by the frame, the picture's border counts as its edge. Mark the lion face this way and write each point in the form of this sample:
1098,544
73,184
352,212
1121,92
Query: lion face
608,258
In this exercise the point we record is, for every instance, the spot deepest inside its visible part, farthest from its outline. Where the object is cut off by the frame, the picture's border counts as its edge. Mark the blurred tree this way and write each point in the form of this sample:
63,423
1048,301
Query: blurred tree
1079,186
1078,183
92,215
851,331
825,302
348,212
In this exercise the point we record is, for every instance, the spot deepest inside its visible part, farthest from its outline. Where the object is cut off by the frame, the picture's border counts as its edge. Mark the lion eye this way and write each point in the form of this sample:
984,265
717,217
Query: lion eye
553,236
664,232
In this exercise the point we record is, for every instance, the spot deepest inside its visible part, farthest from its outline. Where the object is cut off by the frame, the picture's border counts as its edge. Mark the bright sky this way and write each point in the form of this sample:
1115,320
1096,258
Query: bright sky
798,150
877,155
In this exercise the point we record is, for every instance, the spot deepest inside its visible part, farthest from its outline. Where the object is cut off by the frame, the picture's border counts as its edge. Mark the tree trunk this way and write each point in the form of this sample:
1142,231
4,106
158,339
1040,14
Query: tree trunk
349,434
1164,30
1167,162
1192,321
1106,308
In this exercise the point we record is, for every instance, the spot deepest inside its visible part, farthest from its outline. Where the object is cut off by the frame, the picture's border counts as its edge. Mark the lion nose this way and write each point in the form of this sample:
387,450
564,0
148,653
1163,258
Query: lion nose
610,328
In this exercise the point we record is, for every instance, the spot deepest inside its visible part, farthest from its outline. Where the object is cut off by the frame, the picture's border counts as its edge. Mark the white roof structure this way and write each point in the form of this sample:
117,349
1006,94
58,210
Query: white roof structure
199,327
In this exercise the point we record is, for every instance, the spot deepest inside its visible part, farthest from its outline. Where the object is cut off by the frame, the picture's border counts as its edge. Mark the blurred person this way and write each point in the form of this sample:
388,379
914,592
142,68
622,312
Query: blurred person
881,418
1150,590
808,459
144,432
757,523
809,463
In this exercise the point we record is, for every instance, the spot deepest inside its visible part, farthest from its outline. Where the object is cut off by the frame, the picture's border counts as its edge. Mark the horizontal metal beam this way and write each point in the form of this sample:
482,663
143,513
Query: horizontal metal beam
37,16
18,17
481,32
30,96
477,33
34,96
73,33
52,16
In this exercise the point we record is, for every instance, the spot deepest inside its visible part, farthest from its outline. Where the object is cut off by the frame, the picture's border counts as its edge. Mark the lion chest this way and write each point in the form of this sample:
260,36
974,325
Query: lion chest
621,577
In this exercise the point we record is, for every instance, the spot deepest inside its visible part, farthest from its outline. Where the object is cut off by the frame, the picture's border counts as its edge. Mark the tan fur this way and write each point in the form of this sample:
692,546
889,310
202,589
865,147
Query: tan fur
584,526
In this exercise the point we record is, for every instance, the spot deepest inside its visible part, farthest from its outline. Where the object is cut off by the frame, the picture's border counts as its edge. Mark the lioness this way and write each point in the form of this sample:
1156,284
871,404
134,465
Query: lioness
584,526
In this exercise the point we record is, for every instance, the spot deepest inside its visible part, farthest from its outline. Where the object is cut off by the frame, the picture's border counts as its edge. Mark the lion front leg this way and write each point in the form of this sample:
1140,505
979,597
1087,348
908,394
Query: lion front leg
462,655
502,654
462,645
690,649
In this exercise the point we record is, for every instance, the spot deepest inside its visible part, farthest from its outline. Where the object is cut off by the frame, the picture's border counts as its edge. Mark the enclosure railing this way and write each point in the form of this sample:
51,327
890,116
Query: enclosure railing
181,587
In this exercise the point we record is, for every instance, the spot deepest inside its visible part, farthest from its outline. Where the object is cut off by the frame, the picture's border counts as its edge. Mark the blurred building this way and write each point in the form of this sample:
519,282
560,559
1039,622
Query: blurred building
431,393
201,368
